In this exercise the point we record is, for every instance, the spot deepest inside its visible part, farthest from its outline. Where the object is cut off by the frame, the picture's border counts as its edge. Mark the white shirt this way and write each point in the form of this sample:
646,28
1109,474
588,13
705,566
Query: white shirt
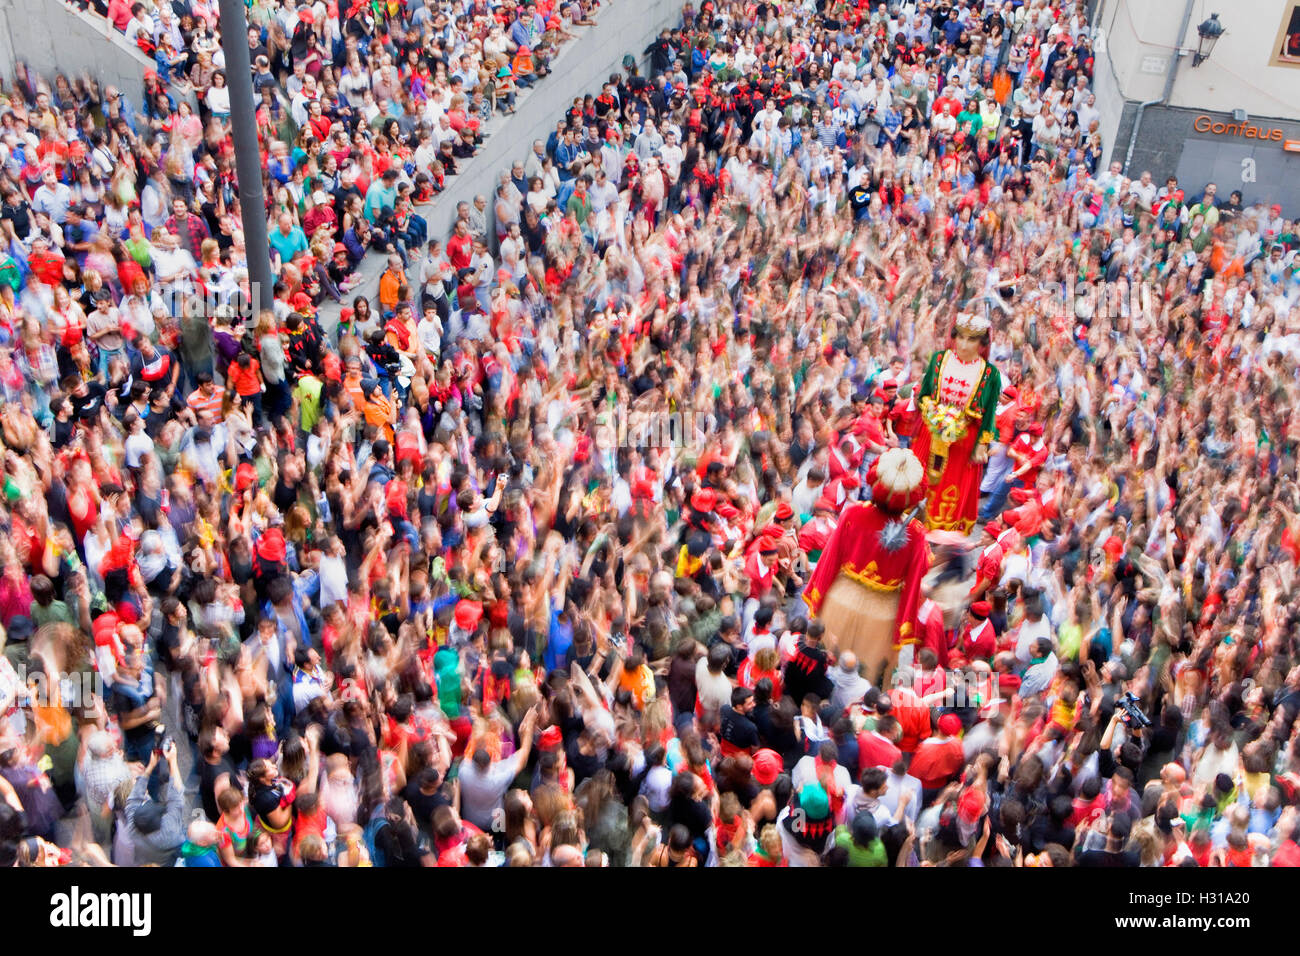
167,263
333,581
895,785
603,196
713,692
137,446
805,771
671,156
1030,631
656,786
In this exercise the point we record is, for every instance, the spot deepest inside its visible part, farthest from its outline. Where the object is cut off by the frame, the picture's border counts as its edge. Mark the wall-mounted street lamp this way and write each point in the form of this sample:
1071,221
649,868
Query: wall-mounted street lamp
1208,34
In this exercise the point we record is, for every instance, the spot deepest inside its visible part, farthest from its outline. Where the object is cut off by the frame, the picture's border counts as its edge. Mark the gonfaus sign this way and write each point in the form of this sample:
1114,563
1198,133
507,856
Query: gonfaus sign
1208,124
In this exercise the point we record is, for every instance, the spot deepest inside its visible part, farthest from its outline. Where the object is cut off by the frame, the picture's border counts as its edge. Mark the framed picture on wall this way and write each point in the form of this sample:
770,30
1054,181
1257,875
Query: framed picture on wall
1286,49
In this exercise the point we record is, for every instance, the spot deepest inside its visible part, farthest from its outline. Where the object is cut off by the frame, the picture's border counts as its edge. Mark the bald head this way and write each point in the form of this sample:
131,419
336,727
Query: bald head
849,662
566,855
202,833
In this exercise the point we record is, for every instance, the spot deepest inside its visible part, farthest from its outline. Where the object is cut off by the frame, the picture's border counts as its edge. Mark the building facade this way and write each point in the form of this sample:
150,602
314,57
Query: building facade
1233,118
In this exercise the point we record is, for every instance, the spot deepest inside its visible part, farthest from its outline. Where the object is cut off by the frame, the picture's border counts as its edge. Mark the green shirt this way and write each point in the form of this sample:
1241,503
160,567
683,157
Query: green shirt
55,612
968,116
580,206
308,392
872,855
138,249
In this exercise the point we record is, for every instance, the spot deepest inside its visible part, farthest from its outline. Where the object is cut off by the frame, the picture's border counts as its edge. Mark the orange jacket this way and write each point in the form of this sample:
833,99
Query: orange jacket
390,283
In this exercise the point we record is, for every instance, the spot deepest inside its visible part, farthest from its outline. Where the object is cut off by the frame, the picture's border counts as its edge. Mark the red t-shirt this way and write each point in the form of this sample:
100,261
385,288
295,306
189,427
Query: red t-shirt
875,750
990,563
246,382
936,762
1025,445
459,250
912,715
979,643
1288,854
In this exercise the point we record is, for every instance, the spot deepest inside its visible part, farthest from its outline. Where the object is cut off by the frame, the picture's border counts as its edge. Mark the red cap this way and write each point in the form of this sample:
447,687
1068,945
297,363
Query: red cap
993,529
643,489
551,738
970,806
245,476
706,499
767,767
783,511
728,511
105,628
767,545
271,546
301,301
981,609
950,724
468,614
825,504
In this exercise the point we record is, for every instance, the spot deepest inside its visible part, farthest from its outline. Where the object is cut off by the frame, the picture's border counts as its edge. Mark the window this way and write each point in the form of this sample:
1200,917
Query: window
1286,48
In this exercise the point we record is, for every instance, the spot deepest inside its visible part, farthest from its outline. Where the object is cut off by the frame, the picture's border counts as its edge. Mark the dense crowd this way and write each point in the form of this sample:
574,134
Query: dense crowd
508,568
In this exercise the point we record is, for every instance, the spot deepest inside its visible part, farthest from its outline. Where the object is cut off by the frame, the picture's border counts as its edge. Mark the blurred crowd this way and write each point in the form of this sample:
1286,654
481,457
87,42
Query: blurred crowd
507,567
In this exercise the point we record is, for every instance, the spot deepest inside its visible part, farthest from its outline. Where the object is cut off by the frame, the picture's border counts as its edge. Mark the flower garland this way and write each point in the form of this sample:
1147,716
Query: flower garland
948,423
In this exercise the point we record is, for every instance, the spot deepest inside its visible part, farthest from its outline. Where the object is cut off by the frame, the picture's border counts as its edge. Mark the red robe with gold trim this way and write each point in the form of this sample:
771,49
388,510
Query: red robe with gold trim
870,546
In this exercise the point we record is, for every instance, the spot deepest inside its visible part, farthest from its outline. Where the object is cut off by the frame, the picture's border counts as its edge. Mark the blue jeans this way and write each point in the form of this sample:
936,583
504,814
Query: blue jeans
106,356
997,499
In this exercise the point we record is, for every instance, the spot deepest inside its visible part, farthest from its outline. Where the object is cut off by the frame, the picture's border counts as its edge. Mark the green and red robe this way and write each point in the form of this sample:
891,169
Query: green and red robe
958,404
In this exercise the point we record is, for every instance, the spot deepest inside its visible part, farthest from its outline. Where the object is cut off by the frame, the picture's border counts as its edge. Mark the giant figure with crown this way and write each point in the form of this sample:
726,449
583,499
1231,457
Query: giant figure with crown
958,404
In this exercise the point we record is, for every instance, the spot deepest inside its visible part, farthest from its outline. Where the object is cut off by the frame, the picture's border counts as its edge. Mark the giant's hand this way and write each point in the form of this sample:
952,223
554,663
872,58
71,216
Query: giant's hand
980,455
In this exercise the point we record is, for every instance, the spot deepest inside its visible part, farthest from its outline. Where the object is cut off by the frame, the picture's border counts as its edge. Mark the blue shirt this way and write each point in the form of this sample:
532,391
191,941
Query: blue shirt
558,641
287,246
378,197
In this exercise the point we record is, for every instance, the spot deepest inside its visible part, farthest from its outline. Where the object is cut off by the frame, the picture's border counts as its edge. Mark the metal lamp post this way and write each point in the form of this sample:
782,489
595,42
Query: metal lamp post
248,160
1208,34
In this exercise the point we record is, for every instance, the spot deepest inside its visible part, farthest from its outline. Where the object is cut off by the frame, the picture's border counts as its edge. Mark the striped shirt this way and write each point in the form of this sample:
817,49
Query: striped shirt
199,402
